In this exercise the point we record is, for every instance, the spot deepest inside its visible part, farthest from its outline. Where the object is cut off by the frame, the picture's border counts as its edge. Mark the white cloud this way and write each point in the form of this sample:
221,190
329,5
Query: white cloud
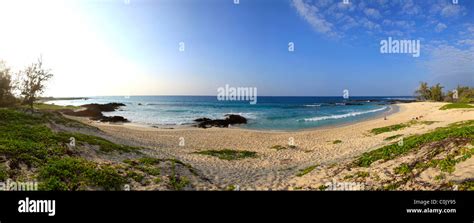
311,14
373,13
451,10
410,8
451,64
440,27
466,42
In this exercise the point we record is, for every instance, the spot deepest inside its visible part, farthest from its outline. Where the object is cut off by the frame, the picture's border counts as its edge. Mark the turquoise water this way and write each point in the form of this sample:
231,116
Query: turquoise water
270,113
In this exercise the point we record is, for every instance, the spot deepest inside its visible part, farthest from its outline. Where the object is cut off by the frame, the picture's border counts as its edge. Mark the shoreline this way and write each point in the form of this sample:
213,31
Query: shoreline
393,109
276,169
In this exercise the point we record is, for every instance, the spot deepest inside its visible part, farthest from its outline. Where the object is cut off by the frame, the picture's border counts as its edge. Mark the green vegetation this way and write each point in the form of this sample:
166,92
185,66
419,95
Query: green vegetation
105,145
461,130
6,86
306,170
228,154
42,106
278,147
390,128
358,174
323,187
456,105
26,139
336,141
393,137
403,169
400,126
231,188
3,173
461,94
448,164
33,82
177,182
467,185
73,174
135,176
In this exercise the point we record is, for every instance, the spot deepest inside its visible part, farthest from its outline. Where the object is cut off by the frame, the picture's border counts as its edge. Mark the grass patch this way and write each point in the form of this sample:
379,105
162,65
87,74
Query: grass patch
358,174
177,182
105,145
389,128
278,147
336,141
467,185
228,154
306,170
26,139
3,173
72,174
400,126
455,106
135,176
403,169
42,106
462,130
393,137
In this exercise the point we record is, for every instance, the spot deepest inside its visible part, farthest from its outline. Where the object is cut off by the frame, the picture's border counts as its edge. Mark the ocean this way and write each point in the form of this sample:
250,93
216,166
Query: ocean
270,113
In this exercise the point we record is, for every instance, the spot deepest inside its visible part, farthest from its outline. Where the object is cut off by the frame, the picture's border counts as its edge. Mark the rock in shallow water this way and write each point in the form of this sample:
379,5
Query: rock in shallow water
230,119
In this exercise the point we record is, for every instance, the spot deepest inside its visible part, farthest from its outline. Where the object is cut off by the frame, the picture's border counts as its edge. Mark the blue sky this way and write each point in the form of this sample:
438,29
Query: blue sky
133,46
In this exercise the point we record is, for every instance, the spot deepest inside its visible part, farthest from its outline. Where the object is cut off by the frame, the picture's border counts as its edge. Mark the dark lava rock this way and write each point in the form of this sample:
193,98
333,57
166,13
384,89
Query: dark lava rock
350,103
235,119
202,119
103,107
94,111
222,123
401,101
113,119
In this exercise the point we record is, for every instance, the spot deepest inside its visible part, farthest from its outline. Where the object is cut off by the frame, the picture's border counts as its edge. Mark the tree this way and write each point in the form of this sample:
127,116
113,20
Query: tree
33,80
436,92
6,86
423,92
465,94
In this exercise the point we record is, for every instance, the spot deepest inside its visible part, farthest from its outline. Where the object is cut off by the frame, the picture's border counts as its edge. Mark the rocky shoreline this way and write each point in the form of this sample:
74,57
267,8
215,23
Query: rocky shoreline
230,119
94,112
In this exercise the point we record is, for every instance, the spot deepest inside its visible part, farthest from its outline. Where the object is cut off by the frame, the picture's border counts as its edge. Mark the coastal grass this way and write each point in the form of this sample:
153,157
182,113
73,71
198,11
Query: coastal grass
458,130
466,185
25,138
228,154
306,170
393,137
358,174
3,172
103,144
177,182
456,106
280,147
72,174
400,126
336,141
403,169
42,106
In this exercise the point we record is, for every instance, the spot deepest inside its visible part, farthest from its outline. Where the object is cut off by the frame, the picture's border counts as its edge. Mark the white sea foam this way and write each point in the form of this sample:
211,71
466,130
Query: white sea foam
350,114
314,105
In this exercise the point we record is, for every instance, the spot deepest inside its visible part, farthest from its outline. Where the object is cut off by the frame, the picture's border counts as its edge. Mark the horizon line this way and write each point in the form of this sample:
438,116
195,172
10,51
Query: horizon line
162,95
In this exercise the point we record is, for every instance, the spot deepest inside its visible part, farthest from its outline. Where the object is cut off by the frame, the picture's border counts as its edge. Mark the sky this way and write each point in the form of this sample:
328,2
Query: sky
132,47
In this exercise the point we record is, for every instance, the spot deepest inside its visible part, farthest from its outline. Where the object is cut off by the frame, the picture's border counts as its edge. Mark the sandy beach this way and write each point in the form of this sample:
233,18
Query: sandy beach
277,169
